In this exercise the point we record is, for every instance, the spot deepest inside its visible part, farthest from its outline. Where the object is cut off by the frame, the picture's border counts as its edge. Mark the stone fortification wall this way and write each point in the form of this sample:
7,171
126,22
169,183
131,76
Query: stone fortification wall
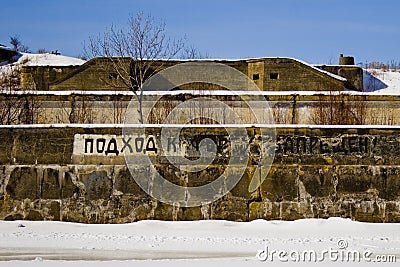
43,76
270,74
353,74
93,107
79,174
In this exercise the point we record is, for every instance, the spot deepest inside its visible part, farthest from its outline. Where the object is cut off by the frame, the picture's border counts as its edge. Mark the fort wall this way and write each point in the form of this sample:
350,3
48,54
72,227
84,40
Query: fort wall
62,107
270,74
77,173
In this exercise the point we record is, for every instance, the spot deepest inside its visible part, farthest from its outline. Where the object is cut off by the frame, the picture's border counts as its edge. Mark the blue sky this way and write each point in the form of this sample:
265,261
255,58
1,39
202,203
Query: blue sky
316,31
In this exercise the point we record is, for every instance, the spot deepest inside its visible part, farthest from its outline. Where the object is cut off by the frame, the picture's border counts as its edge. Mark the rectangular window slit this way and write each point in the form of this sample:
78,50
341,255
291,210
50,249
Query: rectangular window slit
273,76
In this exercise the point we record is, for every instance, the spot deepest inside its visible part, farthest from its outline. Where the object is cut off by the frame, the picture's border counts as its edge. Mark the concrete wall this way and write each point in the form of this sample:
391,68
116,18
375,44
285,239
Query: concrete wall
285,74
287,109
49,174
353,74
270,74
43,76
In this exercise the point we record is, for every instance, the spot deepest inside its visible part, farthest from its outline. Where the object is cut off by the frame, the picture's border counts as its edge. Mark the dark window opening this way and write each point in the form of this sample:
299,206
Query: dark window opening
256,76
112,76
273,76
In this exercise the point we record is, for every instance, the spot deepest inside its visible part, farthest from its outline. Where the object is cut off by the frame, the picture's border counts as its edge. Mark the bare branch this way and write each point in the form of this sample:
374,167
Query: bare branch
135,51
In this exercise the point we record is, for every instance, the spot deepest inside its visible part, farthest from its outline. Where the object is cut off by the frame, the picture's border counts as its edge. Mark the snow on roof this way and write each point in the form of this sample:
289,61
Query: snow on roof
48,60
322,71
25,59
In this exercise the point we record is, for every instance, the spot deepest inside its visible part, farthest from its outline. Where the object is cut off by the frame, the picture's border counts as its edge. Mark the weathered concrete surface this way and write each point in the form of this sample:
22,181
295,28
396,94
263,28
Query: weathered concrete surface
270,74
110,107
317,173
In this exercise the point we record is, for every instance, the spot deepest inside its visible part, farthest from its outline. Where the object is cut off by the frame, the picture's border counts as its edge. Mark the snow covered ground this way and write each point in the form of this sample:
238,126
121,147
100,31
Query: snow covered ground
382,82
198,243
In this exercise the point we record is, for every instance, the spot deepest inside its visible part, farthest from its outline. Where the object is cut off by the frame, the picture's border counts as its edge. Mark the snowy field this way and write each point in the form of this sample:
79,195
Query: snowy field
382,82
200,243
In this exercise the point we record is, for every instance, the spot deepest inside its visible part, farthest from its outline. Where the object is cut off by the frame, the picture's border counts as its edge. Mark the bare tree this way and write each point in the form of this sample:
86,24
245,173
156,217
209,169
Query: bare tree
118,109
282,114
191,52
17,45
162,109
17,105
135,52
42,51
29,111
10,103
81,110
339,109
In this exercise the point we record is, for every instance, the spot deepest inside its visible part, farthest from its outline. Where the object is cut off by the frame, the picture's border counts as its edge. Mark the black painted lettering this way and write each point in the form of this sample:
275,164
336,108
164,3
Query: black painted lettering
100,145
89,141
345,145
153,145
289,145
353,144
363,143
339,146
279,147
171,142
112,147
301,145
139,143
222,143
313,143
195,144
374,142
323,147
127,145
